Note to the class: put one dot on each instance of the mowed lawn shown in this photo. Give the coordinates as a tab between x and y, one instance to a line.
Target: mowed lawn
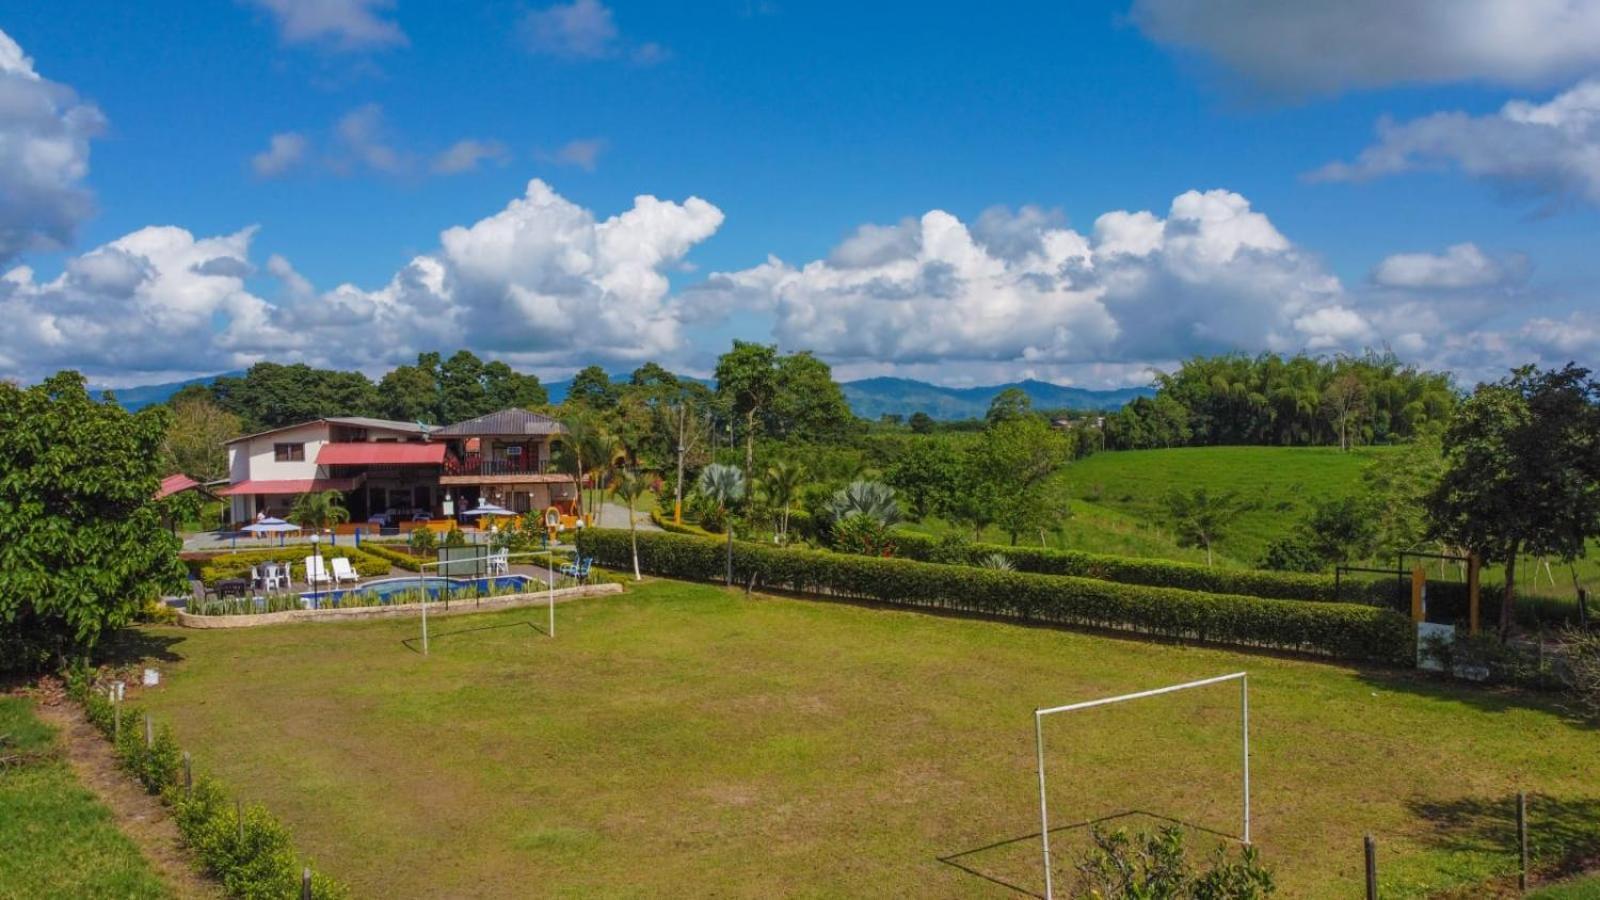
682	740
56	840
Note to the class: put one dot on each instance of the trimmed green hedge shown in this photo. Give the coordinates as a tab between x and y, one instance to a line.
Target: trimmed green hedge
1347	631
214	568
252	858
1152	572
397	557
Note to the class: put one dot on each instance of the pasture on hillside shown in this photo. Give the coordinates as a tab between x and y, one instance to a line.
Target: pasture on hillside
1279	483
681	739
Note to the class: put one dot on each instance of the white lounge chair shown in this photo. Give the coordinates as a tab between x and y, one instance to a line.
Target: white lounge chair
315	573
342	571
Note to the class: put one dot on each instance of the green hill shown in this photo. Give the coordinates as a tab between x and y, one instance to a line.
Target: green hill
1280	483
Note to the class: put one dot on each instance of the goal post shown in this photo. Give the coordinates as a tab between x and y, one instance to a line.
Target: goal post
547	555
1039	716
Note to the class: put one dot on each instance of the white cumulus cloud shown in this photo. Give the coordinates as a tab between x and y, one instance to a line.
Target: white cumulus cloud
1459	266
467	154
1550	149
284	151
583	30
541	282
338	24
1322	46
1212	275
44	156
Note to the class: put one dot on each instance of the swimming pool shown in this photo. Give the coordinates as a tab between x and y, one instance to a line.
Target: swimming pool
411	588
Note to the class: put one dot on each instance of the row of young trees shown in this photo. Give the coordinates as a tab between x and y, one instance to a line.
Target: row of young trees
1271	400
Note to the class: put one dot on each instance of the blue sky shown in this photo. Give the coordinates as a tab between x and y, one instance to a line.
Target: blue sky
985	143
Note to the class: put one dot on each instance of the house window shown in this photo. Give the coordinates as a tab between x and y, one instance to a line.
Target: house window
289	452
514	450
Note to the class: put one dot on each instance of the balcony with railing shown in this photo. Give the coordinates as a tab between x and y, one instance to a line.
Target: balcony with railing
475	465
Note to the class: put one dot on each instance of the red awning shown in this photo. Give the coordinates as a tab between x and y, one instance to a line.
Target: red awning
292	486
389	453
175	484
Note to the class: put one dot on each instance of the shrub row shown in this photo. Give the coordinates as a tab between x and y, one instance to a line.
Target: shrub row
1347	631
250	855
1446	600
396	557
214	568
1136	570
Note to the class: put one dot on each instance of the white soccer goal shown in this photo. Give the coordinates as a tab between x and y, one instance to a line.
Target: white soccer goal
1038	735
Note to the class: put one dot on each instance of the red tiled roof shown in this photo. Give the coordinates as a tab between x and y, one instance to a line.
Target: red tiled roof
388	453
175	484
291	486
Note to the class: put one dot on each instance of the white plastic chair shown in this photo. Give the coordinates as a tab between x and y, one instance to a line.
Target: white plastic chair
276	576
342	571
315	573
499	562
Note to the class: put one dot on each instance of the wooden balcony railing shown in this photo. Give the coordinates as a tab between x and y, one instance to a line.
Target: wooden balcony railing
511	465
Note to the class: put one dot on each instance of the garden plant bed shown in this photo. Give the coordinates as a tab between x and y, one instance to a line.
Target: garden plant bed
685	739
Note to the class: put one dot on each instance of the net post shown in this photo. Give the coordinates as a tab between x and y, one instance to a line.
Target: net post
1244	719
1044	810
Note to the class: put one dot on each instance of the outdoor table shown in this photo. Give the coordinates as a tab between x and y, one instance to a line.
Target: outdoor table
233	586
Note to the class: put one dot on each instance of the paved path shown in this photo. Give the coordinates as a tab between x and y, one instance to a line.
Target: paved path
615	515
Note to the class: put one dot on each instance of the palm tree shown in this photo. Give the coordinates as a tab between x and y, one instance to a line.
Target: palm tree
782	488
872	499
724	486
319	510
592	447
629	486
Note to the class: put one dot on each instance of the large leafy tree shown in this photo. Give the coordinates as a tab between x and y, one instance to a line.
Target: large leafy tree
926	472
82	544
196	432
461	389
1011	403
807	404
747	381
506	388
411	393
1522	471
1013	465
592	389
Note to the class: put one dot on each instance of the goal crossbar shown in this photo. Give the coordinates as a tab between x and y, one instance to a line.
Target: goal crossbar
1038	735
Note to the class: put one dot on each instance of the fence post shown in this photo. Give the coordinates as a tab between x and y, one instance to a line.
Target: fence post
305	884
1522	840
116	722
188	776
238	812
149	733
1372	867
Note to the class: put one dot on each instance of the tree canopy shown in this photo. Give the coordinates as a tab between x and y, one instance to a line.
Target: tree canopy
1522	471
82	542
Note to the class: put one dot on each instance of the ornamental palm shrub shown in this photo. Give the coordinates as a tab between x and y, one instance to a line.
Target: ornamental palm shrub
780	490
319	509
725	487
872	499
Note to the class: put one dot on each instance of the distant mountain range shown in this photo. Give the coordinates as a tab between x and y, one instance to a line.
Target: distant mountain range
137	398
869	398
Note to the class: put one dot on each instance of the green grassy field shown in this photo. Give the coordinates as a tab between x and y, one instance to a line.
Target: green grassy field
682	740
1093	527
1280	483
58	840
